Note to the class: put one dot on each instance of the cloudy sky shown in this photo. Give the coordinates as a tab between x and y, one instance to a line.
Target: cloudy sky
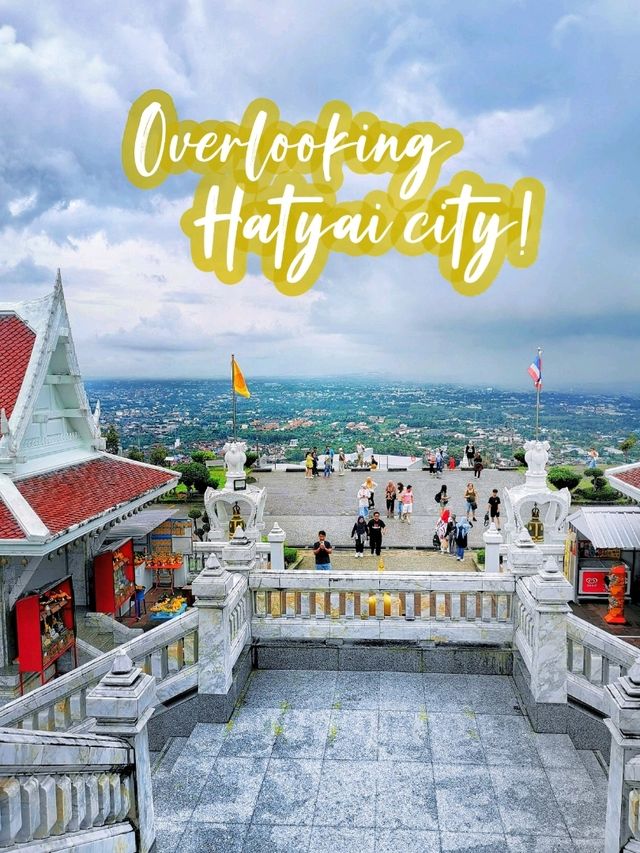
537	87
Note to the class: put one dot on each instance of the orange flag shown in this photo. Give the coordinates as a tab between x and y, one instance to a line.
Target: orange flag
239	385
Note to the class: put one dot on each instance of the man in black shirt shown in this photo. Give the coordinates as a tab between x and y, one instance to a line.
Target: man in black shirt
322	550
376	528
494	508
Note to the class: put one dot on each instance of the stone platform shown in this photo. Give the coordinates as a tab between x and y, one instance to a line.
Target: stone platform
302	507
326	762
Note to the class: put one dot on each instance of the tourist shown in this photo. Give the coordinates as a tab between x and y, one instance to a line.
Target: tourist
592	458
314	457
493	507
432	463
470	453
462	531
441	530
331	454
360	454
390	498
452	462
342	459
407	504
399	491
451	535
442	497
363	501
376	529
327	464
374	463
308	465
439	462
371	486
471	498
360	532
477	465
322	550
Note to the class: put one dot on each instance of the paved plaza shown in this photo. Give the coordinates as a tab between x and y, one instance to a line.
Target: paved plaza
302	506
326	762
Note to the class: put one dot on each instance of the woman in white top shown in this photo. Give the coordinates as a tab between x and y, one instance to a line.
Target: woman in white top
363	501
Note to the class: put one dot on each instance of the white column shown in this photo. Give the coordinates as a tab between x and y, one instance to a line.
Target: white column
276	539
122	703
622	700
551	591
492	542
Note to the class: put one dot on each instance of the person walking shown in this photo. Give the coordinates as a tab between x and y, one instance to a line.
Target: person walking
471	452
442	497
327	465
371	486
493	508
322	550
441	530
452	463
399	492
360	532
376	529
363	501
432	463
407	504
390	498
314	457
471	499
439	462
451	535
477	465
461	533
360	454
308	466
341	462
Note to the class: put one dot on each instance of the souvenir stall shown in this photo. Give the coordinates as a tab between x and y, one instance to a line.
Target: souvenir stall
114	579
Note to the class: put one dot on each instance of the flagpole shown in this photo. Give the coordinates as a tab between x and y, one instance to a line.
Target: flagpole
538	384
233	399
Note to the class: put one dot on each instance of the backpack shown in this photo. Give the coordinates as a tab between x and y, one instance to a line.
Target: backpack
436	541
438	496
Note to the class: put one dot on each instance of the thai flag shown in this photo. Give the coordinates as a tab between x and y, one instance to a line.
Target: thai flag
535	370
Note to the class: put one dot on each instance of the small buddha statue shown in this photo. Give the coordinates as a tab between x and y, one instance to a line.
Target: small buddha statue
535	526
236	520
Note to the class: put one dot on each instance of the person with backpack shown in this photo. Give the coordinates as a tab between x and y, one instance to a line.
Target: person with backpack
442	497
462	531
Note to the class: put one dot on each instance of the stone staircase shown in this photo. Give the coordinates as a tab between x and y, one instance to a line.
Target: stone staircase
313	762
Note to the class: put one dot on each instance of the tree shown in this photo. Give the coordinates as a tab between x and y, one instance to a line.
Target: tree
518	455
563	477
112	440
194	475
136	454
158	454
252	457
202	456
628	444
195	514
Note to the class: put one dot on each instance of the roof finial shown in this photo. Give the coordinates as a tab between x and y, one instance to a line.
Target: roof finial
59	280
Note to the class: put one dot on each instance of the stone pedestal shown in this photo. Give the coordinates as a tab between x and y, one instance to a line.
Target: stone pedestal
523	556
276	539
239	555
622	700
122	703
492	542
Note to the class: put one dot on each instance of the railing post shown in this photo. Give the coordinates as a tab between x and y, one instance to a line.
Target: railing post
213	589
523	556
622	699
276	539
122	704
492	542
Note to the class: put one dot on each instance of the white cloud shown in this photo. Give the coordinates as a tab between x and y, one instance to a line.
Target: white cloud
22	204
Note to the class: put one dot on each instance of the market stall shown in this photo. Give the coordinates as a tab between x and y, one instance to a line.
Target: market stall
114	578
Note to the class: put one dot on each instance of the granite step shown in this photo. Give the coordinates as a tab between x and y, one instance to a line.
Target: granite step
168	755
596	767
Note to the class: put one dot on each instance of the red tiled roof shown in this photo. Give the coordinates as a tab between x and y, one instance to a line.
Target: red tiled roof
16	344
80	492
9	527
632	476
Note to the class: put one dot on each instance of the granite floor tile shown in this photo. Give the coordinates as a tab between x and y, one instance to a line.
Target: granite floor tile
301	734
325	839
526	802
456	842
455	739
493	694
261	838
347	794
407	841
288	792
251	733
169	837
352	736
403	735
213	838
448	692
205	739
588	845
466	801
557	751
230	793
401	691
507	740
533	844
357	691
405	796
271	688
583	807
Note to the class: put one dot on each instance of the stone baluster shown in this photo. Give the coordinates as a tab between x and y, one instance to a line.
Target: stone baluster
276	539
213	589
122	704
546	695
622	701
492	542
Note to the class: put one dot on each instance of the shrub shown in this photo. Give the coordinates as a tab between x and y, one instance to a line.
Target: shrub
480	556
518	455
563	477
252	457
217	479
290	555
593	472
194	474
606	493
202	456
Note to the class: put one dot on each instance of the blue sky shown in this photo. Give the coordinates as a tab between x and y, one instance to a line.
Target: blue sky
547	89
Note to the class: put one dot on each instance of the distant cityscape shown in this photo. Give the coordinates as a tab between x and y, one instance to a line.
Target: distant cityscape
282	418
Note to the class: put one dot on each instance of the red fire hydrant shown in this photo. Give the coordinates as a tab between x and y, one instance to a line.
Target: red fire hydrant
617	584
